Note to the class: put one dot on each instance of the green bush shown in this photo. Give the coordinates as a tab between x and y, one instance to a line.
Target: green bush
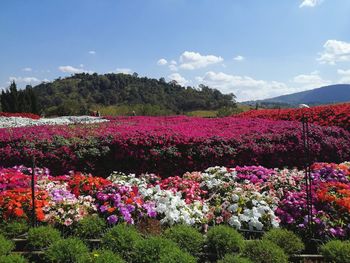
101	256
15	229
285	239
336	251
90	227
13	259
42	237
158	249
6	246
66	250
230	258
122	239
188	238
224	239
264	251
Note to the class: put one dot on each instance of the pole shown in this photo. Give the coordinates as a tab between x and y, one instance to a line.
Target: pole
33	219
307	168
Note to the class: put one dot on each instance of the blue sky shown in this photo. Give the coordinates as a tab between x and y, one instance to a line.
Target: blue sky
253	48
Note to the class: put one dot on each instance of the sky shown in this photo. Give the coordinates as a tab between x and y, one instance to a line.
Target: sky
255	49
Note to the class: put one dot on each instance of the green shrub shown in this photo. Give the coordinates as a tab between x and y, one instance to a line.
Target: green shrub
66	250
158	249
285	239
224	239
188	238
122	239
230	258
15	229
90	227
101	256
6	246
42	237
336	251
264	251
13	259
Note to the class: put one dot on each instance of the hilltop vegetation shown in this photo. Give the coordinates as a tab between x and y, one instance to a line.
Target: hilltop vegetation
121	93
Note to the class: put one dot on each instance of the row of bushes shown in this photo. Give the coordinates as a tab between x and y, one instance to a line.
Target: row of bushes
180	243
169	145
329	115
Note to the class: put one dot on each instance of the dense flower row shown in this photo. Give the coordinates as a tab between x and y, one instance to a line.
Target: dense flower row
169	145
21	115
330	115
249	197
15	121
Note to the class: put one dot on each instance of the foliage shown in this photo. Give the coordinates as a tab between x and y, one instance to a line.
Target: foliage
13	100
264	251
222	240
336	251
101	256
90	227
285	239
14	229
6	246
42	237
122	239
228	111
230	258
66	250
188	238
13	258
157	249
76	94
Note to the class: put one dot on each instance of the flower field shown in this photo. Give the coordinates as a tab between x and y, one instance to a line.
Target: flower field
329	115
21	115
169	145
248	197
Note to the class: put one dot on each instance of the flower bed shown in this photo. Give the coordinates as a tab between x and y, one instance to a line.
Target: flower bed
169	145
329	115
250	197
21	115
22	120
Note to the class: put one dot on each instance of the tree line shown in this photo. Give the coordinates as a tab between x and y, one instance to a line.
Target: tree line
80	93
13	100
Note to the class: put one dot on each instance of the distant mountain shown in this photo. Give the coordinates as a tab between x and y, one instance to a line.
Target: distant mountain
324	95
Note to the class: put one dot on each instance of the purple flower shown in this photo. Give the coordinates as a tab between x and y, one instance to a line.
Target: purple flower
113	219
103	208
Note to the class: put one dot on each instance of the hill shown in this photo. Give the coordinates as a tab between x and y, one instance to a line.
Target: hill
82	92
324	95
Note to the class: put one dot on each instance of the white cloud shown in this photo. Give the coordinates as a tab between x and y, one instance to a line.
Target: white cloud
162	62
26	80
178	78
27	69
70	69
335	51
244	87
124	71
239	58
193	60
311	81
310	3
92	52
345	76
73	70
